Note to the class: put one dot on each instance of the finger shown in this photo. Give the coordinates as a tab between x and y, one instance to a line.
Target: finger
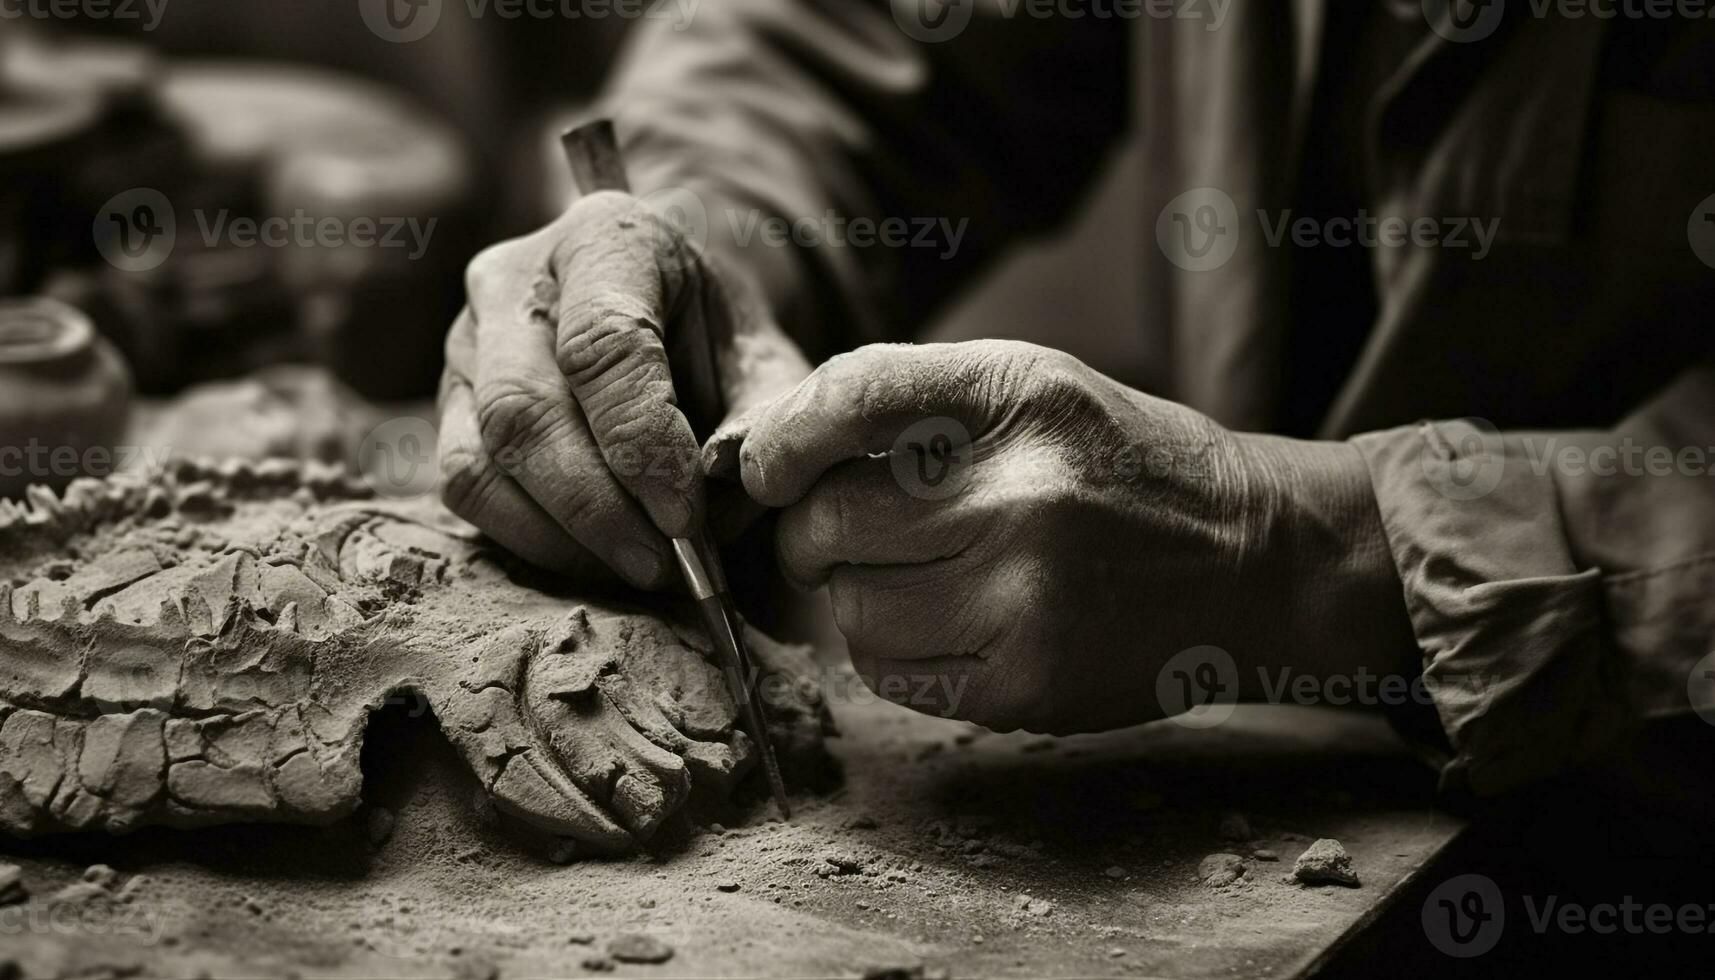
460	347
483	718
912	612
535	430
860	404
479	492
619	290
932	685
858	514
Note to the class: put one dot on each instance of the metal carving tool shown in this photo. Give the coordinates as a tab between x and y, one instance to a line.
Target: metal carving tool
593	152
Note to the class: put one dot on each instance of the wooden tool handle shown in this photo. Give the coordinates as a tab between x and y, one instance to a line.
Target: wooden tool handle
593	151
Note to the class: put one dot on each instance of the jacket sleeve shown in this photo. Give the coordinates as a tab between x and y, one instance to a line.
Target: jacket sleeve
823	112
1561	584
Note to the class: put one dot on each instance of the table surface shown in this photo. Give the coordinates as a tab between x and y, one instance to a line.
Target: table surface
980	854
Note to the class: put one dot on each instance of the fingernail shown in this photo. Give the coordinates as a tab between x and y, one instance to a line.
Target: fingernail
642	565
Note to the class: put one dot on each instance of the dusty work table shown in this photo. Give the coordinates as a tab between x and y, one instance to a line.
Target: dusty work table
947	849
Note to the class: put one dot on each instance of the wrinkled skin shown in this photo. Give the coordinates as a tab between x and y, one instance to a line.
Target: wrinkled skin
591	356
1012	538
206	647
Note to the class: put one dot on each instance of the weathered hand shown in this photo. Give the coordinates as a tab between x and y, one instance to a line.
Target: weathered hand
1012	538
562	434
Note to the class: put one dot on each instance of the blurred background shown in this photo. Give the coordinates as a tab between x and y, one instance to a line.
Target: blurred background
195	116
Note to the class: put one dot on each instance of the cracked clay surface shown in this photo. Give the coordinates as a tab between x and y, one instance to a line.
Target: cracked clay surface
205	647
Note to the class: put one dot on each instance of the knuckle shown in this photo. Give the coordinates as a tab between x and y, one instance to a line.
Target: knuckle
796	553
466	483
848	601
583	507
513	414
601	330
486	266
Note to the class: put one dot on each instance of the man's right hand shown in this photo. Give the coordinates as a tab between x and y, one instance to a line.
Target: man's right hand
562	435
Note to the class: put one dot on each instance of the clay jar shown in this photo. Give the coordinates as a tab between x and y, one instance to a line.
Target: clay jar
65	397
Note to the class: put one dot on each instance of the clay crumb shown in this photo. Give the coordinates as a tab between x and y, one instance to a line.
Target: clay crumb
635	948
12	888
1264	854
919	972
1325	863
101	874
842	863
1235	827
379	826
1030	905
475	968
1220	869
77	893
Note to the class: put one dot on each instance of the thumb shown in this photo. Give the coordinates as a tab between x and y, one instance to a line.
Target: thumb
756	363
858	404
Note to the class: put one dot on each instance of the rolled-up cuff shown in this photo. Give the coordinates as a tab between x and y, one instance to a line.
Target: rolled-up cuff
1516	656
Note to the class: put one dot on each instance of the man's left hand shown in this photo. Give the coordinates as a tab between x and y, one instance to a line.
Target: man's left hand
1012	538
